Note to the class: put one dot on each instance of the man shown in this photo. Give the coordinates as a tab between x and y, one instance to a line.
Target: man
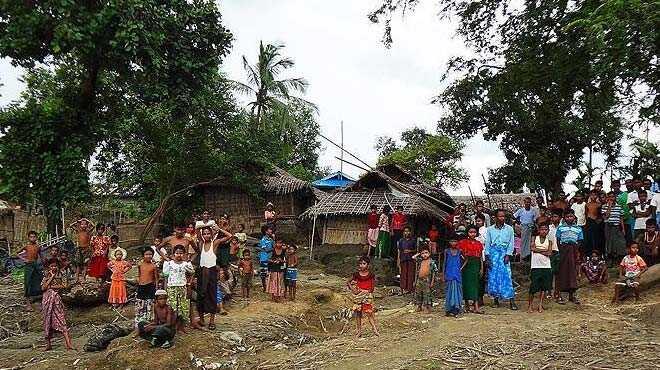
480	210
593	228
179	238
526	216
160	332
616	187
569	237
498	251
398	224
655	206
406	247
632	202
31	255
560	202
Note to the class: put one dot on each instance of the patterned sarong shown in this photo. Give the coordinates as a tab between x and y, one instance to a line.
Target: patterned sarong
499	274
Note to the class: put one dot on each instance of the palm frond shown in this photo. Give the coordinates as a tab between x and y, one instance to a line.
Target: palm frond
253	76
242	88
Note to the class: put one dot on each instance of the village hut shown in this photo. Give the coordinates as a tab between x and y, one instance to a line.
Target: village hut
333	181
15	222
289	195
508	202
341	217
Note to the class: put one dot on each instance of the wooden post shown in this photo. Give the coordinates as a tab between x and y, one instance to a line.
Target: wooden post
311	242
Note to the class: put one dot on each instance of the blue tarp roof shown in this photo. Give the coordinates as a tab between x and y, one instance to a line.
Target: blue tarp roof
333	181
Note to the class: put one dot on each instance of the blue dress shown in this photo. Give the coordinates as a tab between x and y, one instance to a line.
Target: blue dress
499	274
453	282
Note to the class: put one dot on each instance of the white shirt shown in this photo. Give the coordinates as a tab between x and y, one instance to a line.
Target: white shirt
552	235
640	222
655	202
482	238
207	258
633	197
540	261
581	217
156	258
176	272
210	223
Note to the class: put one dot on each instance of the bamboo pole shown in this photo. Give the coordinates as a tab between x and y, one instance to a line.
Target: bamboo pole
311	242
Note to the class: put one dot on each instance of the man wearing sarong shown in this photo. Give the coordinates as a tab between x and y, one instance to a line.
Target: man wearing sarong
526	216
498	251
569	237
406	248
593	229
32	271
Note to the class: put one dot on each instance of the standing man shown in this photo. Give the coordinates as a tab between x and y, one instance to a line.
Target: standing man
526	216
498	251
569	237
407	248
480	210
593	229
398	224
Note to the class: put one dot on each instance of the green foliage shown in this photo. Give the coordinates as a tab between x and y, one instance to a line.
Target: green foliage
645	160
433	158
262	82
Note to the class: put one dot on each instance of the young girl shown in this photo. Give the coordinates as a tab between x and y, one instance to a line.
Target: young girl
118	267
362	286
630	268
451	276
176	271
595	268
100	244
291	271
384	238
146	289
246	272
276	268
541	268
52	307
473	269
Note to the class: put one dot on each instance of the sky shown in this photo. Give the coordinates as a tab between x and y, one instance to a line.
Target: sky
353	78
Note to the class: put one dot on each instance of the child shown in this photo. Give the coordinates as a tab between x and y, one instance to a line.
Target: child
114	247
160	332
615	241
372	228
362	286
427	270
265	248
568	237
52	308
241	237
649	243
146	289
223	290
630	268
641	212
434	236
291	276
100	243
176	271
65	266
82	228
595	269
451	276
157	260
472	269
276	268
32	270
406	248
541	267
246	272
119	267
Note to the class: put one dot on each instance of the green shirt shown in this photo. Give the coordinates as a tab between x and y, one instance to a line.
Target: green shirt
622	200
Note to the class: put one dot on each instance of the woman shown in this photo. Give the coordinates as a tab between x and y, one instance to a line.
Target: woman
207	274
52	306
383	242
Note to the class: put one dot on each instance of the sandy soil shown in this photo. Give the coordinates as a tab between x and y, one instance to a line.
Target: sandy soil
314	333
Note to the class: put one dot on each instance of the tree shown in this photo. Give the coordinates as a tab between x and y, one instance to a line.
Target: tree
542	83
99	56
645	161
433	158
262	82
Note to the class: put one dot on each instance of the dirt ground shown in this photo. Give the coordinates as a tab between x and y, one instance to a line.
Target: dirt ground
314	333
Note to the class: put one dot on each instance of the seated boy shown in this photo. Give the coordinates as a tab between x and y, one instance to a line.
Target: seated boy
631	267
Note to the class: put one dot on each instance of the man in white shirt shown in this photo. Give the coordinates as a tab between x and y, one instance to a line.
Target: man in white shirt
579	206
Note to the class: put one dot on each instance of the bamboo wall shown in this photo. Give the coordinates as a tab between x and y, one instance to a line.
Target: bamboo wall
345	230
15	224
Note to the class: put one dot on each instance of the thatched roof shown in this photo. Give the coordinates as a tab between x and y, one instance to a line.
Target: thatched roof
509	202
378	188
281	182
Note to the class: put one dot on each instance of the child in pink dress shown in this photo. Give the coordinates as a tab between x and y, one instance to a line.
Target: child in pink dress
119	268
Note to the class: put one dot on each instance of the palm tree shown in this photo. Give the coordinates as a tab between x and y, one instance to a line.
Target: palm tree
262	82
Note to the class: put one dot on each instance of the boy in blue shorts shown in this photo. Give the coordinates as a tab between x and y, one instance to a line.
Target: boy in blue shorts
265	249
291	275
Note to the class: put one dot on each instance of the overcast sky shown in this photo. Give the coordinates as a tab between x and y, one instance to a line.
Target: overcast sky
353	77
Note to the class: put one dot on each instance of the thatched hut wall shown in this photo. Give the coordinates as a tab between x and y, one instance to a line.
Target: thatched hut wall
350	229
15	224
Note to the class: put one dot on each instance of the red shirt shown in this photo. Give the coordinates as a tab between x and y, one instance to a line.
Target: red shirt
434	235
470	247
372	220
365	282
398	221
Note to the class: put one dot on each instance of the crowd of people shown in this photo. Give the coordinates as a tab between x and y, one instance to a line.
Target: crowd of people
561	239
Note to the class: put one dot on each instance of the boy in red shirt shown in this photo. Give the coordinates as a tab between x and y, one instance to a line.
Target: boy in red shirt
398	224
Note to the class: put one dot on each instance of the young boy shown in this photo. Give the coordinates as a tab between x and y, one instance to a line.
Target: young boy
362	286
82	228
265	249
641	212
630	268
160	332
177	272
569	237
406	247
291	275
595	269
146	289
427	270
541	271
32	271
649	243
615	242
246	272
241	237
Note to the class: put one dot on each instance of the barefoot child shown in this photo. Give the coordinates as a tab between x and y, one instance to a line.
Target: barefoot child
569	238
595	268
472	269
100	244
82	228
246	272
160	332
265	248
541	272
119	267
451	275
362	286
427	270
630	268
291	276
276	268
32	271
52	307
223	292
146	289
176	271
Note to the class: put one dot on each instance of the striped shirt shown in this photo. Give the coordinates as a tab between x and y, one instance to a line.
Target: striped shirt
569	234
615	214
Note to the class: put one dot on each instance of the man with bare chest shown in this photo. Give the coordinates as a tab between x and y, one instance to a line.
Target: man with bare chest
179	238
160	332
32	271
594	232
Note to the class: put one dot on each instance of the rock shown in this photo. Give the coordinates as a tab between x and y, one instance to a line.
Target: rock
281	346
231	337
322	295
101	339
650	278
86	294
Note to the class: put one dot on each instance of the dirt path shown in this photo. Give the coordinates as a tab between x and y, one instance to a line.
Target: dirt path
313	333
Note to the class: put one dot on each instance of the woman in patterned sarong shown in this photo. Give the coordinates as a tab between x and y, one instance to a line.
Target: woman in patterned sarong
52	306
